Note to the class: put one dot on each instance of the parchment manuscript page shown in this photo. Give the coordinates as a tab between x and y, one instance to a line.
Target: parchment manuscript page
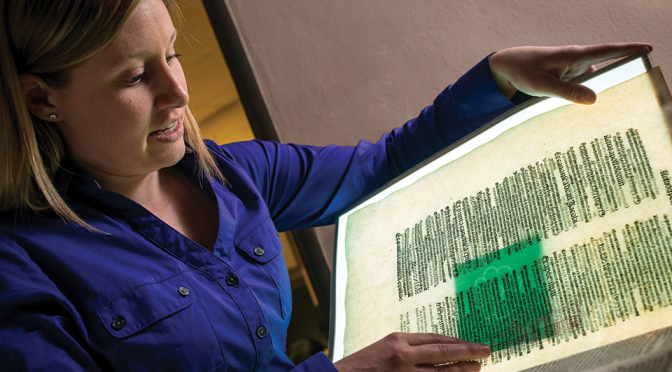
554	238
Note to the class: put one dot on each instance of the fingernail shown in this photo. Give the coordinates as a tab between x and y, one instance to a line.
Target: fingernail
486	349
587	97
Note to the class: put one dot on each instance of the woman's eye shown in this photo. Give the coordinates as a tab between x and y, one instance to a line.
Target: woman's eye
172	57
135	79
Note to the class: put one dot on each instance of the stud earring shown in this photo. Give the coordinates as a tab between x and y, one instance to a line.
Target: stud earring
52	117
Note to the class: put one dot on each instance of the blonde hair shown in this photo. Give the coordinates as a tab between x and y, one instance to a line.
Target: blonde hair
48	39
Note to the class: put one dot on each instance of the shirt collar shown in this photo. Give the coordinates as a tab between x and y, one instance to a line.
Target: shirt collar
68	172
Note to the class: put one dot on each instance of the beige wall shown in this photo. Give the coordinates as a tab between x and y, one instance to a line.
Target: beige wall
350	69
335	71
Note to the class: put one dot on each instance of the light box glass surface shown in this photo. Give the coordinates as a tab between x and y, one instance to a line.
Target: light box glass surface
599	81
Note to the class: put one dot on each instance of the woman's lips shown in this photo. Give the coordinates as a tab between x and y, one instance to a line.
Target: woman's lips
167	129
170	133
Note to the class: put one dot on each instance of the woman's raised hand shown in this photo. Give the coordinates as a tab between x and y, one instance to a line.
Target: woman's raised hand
548	71
416	352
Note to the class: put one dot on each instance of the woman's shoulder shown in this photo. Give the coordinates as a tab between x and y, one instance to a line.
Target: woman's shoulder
243	151
255	158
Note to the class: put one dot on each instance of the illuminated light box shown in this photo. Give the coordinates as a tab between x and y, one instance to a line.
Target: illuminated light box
547	234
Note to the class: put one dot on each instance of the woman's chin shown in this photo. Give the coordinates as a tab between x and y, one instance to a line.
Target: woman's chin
173	155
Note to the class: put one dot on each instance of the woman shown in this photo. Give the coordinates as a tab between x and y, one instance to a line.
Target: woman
128	243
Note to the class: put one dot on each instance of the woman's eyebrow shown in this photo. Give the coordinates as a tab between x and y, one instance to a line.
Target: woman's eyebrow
172	37
141	53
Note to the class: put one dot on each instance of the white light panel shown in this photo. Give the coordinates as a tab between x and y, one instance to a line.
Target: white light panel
598	84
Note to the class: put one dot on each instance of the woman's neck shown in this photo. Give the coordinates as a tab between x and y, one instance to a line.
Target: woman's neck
170	196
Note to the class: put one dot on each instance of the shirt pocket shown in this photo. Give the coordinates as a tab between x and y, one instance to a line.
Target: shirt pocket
161	326
263	246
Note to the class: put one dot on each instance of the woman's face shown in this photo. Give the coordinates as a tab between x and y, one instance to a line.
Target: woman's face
121	112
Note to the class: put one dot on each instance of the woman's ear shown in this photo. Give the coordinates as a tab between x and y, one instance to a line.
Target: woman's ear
36	95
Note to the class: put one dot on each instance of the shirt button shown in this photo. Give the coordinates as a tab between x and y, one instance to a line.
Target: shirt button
118	323
259	251
261	332
232	279
183	291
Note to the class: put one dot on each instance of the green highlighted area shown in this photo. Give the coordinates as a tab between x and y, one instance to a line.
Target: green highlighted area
505	303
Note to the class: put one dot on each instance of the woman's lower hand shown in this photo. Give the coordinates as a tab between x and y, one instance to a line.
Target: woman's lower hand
416	352
548	71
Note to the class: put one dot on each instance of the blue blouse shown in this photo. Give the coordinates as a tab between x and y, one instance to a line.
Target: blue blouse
144	297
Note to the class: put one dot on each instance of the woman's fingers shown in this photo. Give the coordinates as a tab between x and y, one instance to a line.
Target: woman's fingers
470	366
580	61
416	352
430	338
593	54
548	71
446	353
553	87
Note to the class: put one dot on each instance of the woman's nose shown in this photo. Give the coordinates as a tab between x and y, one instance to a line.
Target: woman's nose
172	91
